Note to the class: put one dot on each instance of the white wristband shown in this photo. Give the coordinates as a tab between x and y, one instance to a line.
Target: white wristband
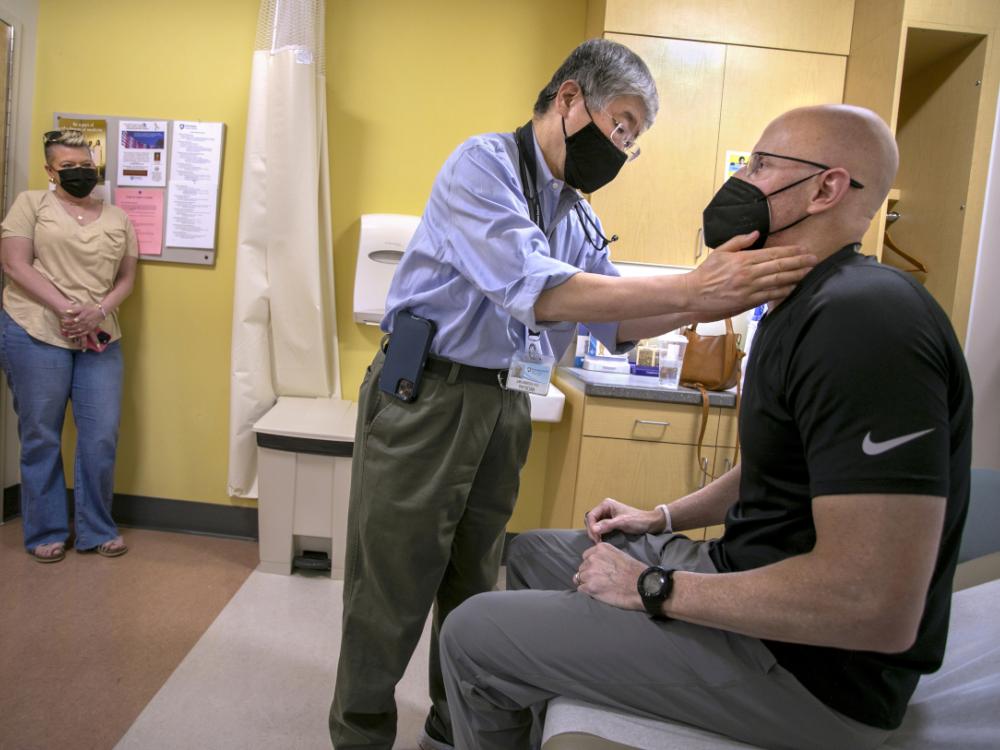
668	524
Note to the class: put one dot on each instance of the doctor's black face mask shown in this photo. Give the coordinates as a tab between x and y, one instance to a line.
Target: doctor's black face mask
592	160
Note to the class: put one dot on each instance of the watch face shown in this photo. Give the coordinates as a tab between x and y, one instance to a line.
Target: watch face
652	582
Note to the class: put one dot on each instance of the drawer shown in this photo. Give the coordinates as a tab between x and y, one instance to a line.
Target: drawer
728	426
640	474
649	421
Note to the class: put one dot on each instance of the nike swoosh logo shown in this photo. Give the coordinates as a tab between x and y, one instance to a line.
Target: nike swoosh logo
871	448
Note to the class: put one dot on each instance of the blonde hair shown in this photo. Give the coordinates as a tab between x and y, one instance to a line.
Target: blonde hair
67	138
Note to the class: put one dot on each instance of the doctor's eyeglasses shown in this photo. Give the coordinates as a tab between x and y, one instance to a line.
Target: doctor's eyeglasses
623	140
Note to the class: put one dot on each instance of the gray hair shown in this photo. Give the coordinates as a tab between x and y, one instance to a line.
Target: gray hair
68	138
604	70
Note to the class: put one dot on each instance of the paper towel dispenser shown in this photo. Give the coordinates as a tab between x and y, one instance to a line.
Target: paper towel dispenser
383	239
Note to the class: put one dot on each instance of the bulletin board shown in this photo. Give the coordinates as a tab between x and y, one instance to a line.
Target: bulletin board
165	174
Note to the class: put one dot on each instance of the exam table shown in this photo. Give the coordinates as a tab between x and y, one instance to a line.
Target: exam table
955	708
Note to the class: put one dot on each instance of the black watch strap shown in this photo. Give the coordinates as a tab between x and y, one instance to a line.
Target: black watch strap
655	585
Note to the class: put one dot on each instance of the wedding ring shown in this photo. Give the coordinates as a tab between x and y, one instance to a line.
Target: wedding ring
576	579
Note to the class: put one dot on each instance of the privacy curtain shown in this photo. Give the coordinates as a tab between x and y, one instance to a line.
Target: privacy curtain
284	327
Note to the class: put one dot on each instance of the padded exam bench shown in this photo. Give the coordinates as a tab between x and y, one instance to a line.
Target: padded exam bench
956	708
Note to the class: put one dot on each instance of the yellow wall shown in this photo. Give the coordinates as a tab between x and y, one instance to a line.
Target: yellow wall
406	82
180	60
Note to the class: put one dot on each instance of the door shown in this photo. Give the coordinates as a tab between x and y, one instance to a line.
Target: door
655	203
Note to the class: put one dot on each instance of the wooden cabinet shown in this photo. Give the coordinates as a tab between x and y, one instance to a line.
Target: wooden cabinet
715	95
639	452
761	84
807	25
640	474
925	67
656	201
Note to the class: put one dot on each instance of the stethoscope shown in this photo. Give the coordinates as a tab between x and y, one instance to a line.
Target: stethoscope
526	158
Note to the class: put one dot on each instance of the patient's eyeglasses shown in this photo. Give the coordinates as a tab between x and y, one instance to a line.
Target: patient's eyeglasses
757	159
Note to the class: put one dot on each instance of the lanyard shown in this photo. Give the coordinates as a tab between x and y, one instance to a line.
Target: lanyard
525	139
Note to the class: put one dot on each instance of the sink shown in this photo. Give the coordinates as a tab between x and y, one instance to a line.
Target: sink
547	408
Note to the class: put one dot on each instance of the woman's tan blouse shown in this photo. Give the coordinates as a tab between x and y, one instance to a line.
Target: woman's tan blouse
81	261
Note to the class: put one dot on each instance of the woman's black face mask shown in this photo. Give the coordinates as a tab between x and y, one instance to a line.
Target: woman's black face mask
592	160
78	181
740	207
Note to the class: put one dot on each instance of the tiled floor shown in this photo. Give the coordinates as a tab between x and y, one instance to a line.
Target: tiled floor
262	675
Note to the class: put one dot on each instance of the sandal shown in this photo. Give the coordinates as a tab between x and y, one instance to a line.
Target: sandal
49	553
113	548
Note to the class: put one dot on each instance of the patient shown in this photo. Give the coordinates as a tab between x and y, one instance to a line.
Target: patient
810	622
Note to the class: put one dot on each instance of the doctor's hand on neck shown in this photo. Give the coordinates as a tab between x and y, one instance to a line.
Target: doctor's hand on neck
732	280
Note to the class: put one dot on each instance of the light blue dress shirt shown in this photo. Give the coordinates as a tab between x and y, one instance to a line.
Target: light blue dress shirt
477	263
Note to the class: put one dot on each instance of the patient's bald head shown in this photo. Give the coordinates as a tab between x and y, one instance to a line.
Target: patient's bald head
840	135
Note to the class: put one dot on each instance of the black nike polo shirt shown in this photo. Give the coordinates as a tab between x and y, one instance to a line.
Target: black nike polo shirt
856	384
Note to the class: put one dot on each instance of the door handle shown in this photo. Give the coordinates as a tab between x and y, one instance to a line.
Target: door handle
698	244
704	472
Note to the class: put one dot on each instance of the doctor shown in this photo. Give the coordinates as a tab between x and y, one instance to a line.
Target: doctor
506	247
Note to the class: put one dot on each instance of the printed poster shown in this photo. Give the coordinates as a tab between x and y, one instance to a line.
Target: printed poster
195	166
96	134
144	207
735	161
142	153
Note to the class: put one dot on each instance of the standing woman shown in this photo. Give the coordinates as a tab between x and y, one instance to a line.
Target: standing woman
69	262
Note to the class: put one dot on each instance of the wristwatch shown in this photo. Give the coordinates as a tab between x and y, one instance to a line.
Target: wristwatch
654	585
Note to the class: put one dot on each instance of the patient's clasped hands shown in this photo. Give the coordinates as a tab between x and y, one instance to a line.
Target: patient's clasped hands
606	573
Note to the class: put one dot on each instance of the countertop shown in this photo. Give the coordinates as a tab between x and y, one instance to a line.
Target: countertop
310	419
641	387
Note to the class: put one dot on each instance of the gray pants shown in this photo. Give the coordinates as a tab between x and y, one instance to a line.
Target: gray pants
507	653
433	485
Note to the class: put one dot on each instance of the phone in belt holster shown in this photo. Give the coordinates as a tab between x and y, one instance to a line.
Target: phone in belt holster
409	345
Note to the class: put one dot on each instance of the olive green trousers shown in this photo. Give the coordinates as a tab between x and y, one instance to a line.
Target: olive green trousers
433	485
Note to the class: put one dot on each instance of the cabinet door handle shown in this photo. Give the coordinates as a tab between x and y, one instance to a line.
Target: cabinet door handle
698	244
653	423
704	472
728	464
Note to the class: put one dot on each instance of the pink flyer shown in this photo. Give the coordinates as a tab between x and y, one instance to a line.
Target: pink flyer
144	207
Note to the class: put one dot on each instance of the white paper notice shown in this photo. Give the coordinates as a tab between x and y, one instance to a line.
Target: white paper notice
142	153
194	185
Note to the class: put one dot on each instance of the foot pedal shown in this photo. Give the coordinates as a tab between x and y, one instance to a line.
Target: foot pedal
310	560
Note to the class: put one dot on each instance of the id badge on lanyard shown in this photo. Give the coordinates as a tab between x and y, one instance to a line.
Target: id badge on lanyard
531	370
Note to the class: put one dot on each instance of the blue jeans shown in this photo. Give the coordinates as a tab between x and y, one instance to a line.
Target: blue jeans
43	378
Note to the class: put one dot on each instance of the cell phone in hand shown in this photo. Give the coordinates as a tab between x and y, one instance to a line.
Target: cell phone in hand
103	338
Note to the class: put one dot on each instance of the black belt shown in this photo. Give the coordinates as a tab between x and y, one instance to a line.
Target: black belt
467	373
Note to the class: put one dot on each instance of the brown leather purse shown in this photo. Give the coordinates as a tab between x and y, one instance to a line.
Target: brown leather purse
712	363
